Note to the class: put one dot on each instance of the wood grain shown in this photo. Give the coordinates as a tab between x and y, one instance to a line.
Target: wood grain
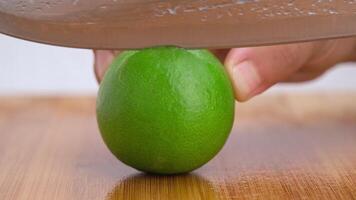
282	147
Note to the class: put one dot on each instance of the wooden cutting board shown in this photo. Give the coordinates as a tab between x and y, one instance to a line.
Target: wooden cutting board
282	147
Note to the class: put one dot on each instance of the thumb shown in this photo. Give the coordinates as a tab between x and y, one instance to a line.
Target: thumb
253	70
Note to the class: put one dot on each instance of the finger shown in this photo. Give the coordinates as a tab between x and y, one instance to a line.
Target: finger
254	70
327	53
102	61
302	77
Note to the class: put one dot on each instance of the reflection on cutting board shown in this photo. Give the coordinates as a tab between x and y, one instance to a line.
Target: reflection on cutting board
141	186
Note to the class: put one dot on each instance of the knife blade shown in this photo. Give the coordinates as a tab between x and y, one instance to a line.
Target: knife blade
122	24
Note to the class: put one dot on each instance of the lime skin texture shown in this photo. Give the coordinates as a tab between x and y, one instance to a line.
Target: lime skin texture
165	110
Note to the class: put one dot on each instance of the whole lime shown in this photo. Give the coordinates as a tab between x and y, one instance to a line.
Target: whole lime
165	110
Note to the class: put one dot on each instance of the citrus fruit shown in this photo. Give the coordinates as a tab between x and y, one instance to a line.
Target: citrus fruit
165	110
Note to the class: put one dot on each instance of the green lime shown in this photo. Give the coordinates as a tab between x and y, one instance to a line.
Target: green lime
165	110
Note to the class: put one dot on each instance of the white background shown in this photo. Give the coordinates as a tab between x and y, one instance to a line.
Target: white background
28	68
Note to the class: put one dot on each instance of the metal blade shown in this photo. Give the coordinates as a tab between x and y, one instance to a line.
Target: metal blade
122	24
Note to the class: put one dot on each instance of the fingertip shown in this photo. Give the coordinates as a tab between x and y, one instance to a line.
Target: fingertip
254	69
238	55
244	75
102	61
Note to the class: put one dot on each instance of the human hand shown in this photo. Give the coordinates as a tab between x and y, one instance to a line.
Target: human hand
255	69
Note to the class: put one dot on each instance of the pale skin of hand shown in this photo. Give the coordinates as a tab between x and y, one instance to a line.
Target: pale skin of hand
253	70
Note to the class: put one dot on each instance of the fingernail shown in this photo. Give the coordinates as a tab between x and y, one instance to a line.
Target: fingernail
246	80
